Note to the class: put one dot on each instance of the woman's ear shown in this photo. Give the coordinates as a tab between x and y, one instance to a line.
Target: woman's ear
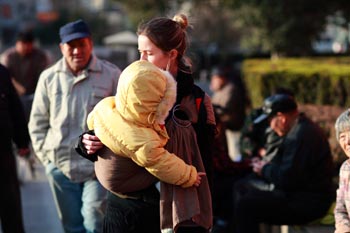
173	54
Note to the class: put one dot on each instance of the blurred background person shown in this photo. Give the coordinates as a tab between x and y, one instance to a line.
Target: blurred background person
13	128
295	186
229	101
25	62
258	140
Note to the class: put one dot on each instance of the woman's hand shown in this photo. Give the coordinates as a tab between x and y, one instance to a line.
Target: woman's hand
91	143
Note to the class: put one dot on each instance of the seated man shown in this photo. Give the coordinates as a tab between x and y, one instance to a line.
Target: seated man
295	186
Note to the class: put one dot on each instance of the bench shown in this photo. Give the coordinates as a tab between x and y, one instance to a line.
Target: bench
297	229
322	225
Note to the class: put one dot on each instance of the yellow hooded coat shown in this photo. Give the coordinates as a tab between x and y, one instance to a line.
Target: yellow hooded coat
130	124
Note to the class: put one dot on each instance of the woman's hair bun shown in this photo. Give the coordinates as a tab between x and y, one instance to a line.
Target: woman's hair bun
182	20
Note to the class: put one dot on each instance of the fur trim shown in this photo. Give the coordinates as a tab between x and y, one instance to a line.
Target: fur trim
168	100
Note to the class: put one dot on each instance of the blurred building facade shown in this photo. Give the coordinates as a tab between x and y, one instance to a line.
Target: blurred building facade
16	15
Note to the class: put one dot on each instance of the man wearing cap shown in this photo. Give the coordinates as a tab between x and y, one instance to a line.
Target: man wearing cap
65	94
295	186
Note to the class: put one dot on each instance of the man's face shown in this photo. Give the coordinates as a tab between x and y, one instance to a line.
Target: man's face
77	53
216	82
24	48
277	124
344	141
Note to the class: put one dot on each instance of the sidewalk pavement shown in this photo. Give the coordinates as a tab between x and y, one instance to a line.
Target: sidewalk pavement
39	211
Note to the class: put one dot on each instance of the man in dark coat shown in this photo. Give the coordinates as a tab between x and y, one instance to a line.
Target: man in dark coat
13	128
295	186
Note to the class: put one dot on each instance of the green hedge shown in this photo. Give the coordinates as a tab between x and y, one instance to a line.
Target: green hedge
323	81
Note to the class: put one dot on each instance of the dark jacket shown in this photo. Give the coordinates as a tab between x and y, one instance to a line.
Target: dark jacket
230	103
13	124
205	128
303	162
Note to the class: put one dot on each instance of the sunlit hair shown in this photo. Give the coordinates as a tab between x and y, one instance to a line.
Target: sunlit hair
342	123
168	34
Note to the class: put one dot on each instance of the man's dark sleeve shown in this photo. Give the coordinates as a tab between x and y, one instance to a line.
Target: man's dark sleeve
281	171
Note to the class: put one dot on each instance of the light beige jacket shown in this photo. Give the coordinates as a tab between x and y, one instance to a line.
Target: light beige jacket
60	108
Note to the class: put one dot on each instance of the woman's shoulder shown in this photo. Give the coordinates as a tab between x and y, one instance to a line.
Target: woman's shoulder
203	100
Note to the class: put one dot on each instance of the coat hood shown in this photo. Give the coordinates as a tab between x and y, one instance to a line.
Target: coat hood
145	94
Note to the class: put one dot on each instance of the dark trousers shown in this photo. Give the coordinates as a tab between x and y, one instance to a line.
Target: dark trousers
253	206
133	215
10	197
222	194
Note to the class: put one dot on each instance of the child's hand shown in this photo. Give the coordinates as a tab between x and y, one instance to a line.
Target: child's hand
199	178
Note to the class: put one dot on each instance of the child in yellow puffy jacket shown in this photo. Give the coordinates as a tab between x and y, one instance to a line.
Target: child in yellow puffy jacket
131	124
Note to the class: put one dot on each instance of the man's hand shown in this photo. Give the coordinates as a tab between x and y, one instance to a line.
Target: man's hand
254	160
258	166
91	143
21	90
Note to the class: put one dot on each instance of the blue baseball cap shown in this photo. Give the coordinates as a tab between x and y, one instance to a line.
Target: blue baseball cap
74	30
274	104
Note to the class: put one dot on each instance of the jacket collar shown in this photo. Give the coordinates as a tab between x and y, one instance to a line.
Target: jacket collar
95	65
185	84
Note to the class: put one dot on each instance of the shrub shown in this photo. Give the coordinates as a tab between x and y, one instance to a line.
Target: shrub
322	81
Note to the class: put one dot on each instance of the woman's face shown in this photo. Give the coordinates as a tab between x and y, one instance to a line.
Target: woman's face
150	52
344	141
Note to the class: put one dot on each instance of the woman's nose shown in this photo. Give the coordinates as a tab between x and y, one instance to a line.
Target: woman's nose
143	57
